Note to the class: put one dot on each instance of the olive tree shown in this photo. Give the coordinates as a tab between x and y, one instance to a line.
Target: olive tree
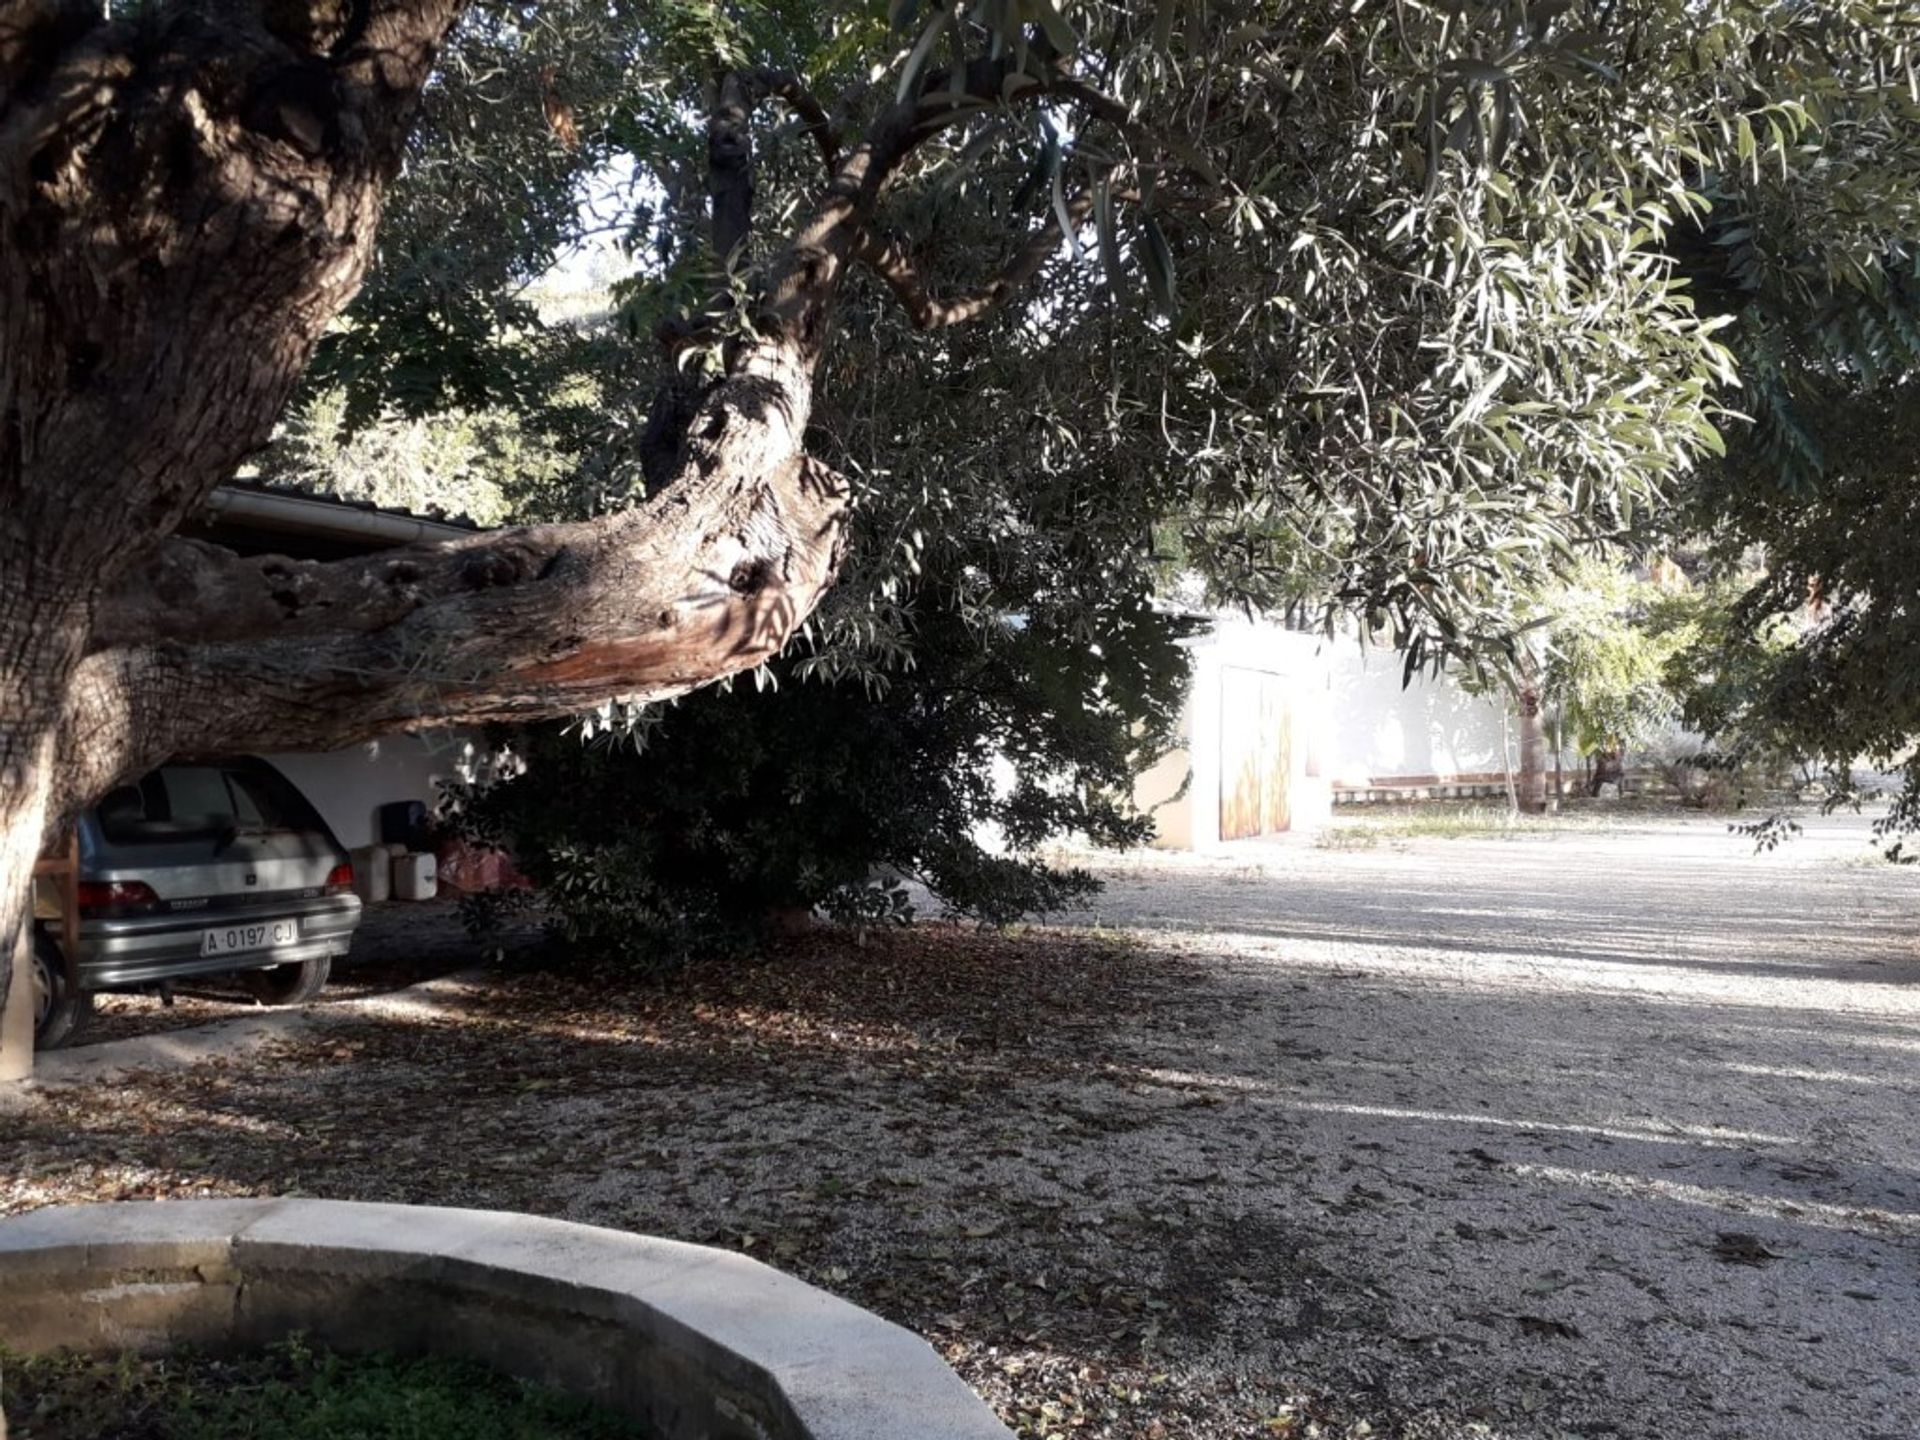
1395	291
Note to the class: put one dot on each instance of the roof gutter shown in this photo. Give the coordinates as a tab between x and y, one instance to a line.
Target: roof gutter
329	520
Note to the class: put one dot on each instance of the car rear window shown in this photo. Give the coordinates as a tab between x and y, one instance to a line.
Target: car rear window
179	801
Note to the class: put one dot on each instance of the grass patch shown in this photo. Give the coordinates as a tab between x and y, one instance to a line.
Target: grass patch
291	1391
1363	828
1865	860
1434	821
1351	836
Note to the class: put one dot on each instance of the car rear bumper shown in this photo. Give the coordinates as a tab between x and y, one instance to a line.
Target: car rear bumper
140	950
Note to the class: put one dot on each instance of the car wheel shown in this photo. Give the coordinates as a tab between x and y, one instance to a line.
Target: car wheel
293	984
58	1009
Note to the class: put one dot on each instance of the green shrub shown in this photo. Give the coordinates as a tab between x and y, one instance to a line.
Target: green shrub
736	808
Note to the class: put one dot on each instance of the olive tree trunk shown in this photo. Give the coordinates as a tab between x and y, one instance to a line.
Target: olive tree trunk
33	664
185	203
188	196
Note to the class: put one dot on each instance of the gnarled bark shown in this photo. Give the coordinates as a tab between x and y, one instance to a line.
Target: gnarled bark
36	639
187	198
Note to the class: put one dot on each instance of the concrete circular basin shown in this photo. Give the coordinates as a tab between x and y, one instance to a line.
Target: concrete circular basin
700	1344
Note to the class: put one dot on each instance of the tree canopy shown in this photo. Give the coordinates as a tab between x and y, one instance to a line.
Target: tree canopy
1402	313
1392	309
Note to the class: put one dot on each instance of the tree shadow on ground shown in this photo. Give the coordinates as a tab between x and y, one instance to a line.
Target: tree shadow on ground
399	944
1096	1159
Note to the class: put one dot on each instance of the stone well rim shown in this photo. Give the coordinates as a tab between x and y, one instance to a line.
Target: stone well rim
791	1361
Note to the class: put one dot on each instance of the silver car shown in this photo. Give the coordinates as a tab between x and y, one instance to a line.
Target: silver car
202	868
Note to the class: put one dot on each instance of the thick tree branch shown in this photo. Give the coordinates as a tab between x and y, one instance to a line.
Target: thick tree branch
942	103
789	87
896	133
510	588
708	577
650	603
190	593
382	59
730	167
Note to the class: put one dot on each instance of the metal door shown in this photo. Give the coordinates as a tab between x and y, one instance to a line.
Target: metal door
1256	754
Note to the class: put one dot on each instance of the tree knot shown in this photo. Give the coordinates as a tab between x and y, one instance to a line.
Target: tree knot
488	569
750	577
298	105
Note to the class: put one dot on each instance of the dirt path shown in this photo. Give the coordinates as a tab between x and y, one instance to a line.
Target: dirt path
1605	1132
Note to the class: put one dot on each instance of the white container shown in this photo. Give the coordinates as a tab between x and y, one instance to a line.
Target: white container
372	873
415	877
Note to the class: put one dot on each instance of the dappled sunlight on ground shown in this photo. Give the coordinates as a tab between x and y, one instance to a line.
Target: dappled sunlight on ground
1568	1133
1732	1202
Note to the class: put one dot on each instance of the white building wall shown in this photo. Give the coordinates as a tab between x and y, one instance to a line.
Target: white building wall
1159	791
349	786
1190	819
1381	731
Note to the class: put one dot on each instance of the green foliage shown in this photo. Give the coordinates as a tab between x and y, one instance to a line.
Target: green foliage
484	467
724	813
1810	514
1392	311
1628	662
1822	647
1826	638
490	198
1723	671
1610	645
291	1391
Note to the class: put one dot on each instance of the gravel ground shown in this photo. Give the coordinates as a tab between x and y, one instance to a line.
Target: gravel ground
1601	1130
1621	1116
399	944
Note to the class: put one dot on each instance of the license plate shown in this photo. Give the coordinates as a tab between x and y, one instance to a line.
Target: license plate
259	935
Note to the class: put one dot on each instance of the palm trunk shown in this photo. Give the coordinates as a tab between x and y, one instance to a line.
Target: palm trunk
1506	759
1533	746
1559	760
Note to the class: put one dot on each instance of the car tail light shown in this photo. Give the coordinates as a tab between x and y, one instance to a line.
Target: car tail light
104	899
339	879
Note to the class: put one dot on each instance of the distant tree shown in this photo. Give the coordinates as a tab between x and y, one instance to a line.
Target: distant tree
1721	672
1606	675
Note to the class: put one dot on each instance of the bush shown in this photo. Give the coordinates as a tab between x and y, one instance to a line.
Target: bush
737	809
1718	780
